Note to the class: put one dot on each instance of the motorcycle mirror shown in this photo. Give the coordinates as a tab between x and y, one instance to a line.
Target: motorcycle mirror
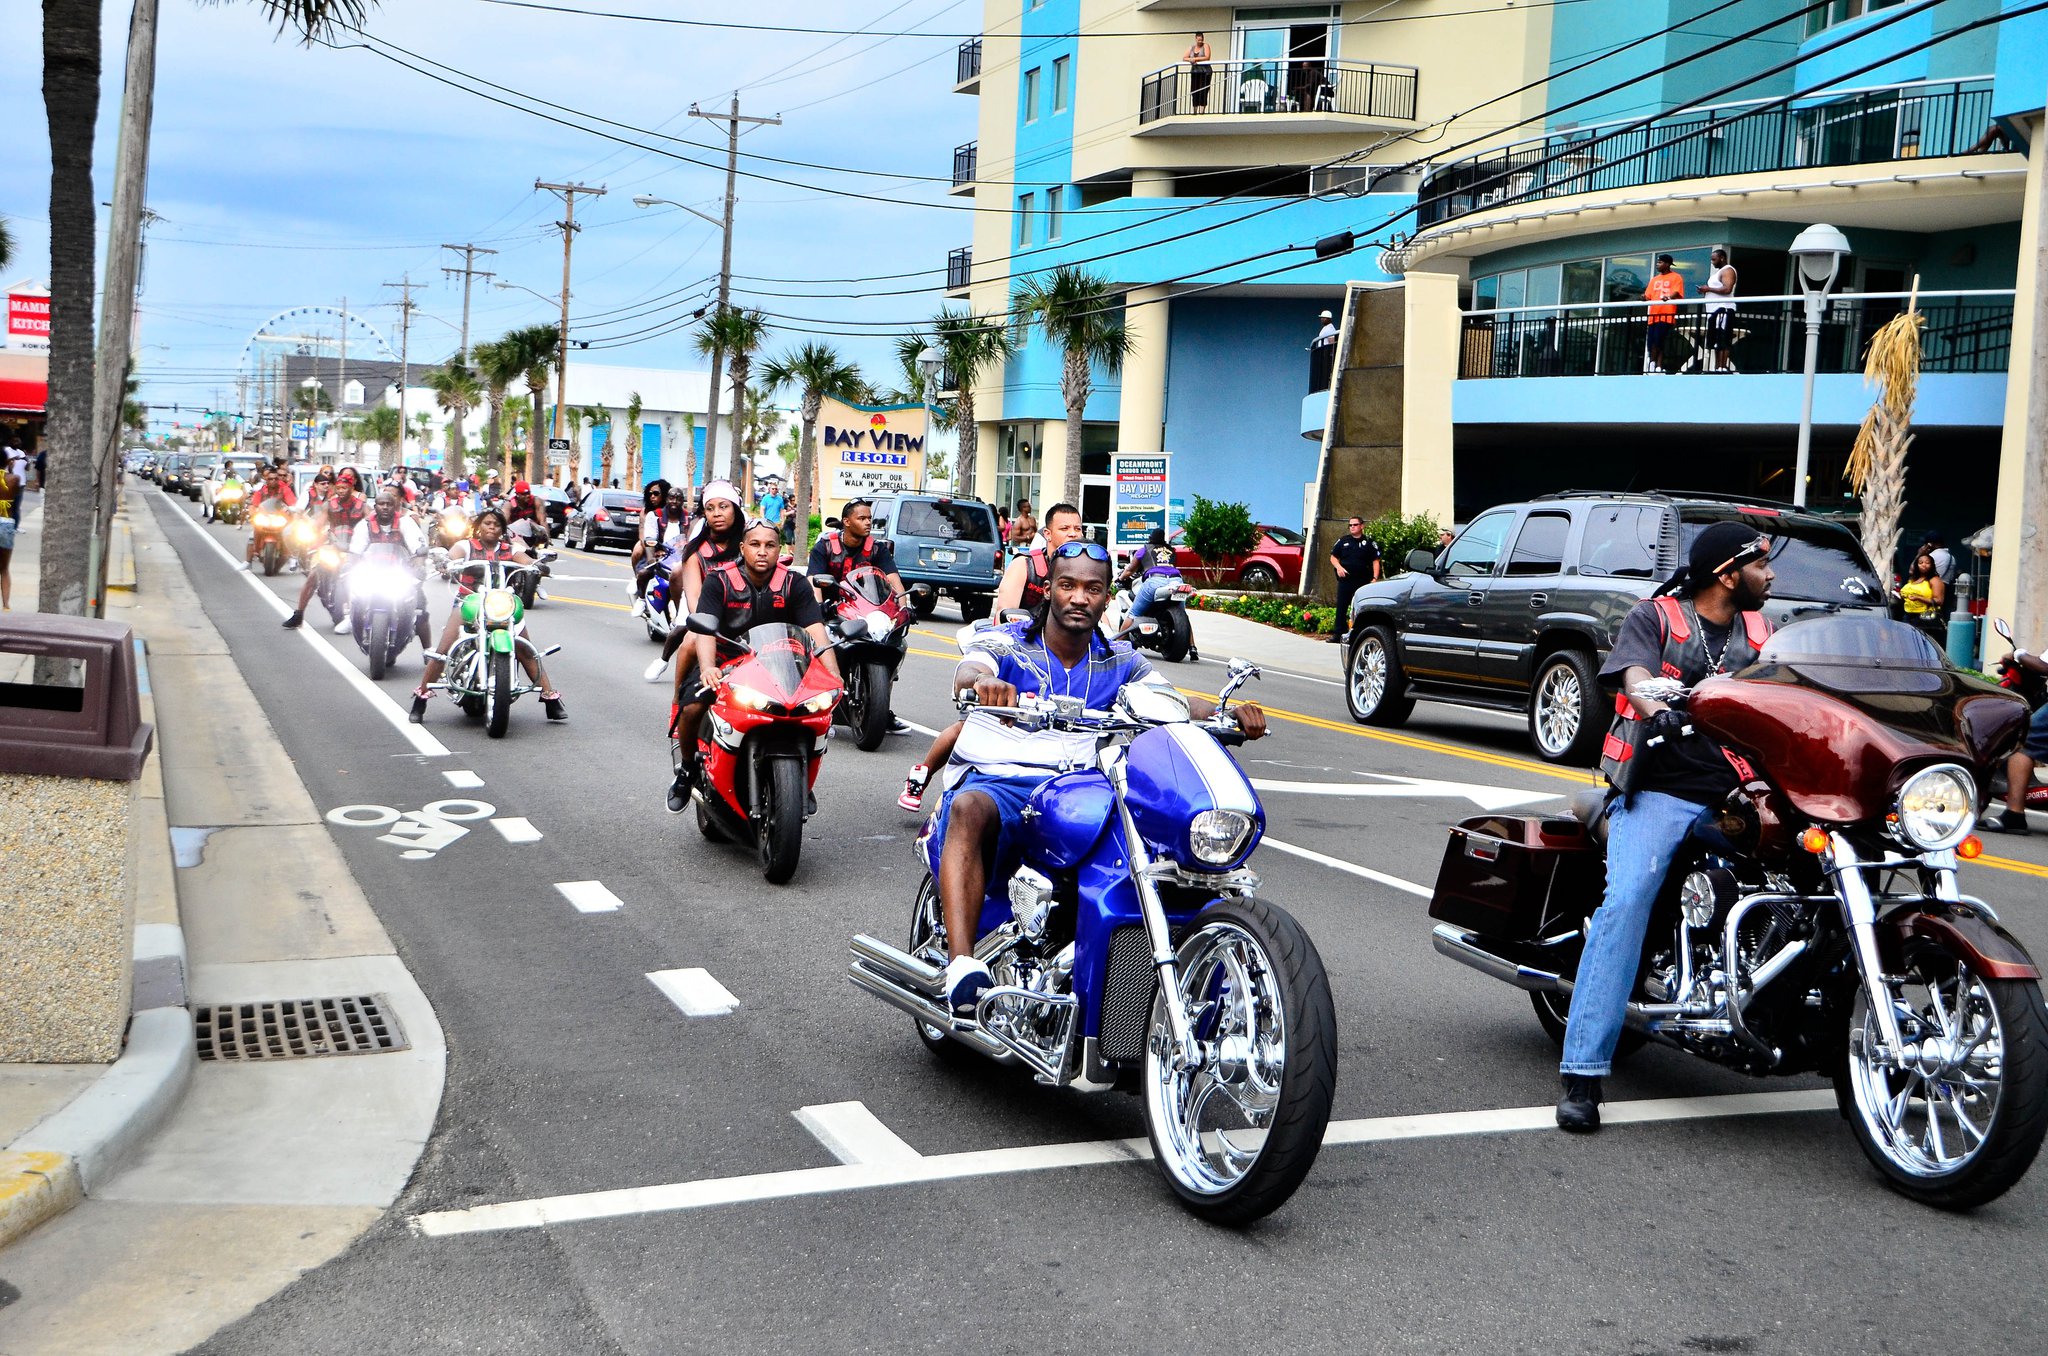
1242	669
1152	705
1998	625
702	624
1015	614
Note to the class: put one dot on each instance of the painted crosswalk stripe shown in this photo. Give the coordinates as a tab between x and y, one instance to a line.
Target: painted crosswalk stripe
853	1134
695	992
463	778
589	896
1351	868
516	829
774	1186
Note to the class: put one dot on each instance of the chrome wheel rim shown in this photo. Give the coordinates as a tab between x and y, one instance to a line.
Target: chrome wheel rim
1211	1121
1557	708
1369	675
1933	1117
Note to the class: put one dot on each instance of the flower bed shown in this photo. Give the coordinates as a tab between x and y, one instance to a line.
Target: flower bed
1289	613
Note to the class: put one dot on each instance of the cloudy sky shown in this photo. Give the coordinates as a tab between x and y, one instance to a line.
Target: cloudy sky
293	177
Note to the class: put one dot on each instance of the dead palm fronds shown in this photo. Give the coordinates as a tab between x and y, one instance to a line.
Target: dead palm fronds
1877	463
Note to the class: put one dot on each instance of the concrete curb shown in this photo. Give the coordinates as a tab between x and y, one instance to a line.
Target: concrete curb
57	1162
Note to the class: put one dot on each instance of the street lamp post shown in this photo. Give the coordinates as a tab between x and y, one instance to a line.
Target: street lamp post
1819	250
929	361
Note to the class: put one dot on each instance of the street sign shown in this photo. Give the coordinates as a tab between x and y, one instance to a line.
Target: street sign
558	458
558	445
1138	496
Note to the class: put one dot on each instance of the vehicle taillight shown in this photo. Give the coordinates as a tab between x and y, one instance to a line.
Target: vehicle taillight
600	517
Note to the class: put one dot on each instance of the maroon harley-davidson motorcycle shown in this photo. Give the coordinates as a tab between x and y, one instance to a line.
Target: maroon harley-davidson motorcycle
1829	933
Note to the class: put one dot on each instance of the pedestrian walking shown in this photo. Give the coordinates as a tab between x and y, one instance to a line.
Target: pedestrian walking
1198	57
1666	287
1720	305
771	503
1356	558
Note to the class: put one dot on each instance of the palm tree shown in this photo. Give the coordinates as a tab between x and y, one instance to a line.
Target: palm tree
737	333
972	345
576	416
379	425
6	245
501	365
817	371
423	427
457	391
601	418
754	424
538	348
311	400
1083	319
633	408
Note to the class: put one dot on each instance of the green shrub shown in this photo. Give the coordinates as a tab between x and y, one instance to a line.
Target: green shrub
1215	529
1397	536
1287	613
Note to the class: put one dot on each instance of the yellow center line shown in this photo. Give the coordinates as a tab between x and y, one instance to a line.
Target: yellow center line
2008	864
588	602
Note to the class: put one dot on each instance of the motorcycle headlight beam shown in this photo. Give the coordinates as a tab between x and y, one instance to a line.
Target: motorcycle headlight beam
1217	836
822	702
1936	808
750	698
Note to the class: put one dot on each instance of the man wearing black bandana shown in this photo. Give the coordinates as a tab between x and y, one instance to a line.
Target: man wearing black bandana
1666	782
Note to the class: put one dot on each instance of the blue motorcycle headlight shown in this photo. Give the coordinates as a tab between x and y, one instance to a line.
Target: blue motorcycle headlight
1217	836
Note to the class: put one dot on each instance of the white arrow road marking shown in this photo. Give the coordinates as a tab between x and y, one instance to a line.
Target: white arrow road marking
695	992
854	1134
1352	868
1485	797
589	896
773	1186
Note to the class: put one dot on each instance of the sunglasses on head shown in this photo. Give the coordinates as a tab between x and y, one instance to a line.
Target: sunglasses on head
1081	548
1756	550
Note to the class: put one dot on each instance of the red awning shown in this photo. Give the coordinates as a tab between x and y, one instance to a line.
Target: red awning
23	397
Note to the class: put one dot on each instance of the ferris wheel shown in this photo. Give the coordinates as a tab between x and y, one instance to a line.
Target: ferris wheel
313	332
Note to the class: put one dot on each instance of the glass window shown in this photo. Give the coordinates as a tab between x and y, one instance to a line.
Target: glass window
1514	288
1581	280
1018	457
1621	539
1626	277
1478	548
1486	293
1815	562
1031	95
1026	206
1062	74
1055	208
1539	547
1840	11
944	521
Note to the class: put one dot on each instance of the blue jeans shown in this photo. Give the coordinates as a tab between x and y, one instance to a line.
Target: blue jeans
1147	591
1644	833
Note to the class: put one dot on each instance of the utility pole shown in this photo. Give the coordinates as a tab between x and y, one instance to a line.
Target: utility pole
569	229
732	121
405	309
341	389
469	272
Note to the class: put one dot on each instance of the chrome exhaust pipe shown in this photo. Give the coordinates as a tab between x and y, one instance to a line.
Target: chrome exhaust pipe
1463	946
907	970
927	1010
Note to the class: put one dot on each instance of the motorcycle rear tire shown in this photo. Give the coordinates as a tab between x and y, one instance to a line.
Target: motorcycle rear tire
870	716
1176	636
1308	1077
779	823
498	694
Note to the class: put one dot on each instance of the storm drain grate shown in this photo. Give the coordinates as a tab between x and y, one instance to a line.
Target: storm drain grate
298	1028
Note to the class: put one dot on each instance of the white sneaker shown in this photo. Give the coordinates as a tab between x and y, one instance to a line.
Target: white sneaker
652	673
966	979
248	567
341	627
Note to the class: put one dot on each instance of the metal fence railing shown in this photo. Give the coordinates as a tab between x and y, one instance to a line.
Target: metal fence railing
963	163
1965	332
1897	123
1292	85
968	64
959	268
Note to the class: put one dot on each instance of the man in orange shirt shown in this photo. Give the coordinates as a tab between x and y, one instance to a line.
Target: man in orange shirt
1666	286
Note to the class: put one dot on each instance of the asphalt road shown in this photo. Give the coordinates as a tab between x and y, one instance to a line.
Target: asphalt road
571	1072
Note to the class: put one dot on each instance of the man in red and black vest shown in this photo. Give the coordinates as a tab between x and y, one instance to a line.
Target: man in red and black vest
854	545
1030	572
756	590
336	517
1666	782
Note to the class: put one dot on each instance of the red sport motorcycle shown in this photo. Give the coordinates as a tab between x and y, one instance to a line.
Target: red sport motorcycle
1823	929
872	630
759	745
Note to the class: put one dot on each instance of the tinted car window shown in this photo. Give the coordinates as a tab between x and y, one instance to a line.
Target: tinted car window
1286	536
947	522
1539	547
1814	562
1478	548
1621	539
620	499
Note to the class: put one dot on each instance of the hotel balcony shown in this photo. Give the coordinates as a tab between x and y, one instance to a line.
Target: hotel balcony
967	68
1284	97
959	271
963	168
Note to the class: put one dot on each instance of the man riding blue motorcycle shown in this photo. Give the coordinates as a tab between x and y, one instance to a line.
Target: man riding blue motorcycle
1057	653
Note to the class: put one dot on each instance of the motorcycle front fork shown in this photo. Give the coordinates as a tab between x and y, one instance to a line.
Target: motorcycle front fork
1180	1030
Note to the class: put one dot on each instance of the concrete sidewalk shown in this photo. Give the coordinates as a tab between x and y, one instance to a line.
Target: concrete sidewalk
265	1169
1220	636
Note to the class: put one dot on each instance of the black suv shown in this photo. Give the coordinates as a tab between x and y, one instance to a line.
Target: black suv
1519	612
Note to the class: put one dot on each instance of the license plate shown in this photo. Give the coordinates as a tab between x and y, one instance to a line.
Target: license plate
945	557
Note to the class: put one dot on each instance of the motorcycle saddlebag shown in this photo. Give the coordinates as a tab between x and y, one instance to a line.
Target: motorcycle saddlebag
1505	876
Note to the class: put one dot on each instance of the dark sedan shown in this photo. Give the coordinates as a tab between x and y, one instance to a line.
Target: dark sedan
558	506
605	518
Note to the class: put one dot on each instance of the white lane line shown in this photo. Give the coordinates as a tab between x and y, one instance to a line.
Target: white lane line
589	896
1485	797
1279	673
1336	865
925	730
379	702
464	779
516	829
854	1134
770	1186
695	992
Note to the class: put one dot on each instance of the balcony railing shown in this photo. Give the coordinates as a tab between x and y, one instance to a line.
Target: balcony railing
1899	123
959	268
963	163
1233	88
1965	332
967	65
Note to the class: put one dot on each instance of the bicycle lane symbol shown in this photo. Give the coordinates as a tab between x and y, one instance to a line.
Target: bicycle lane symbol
419	833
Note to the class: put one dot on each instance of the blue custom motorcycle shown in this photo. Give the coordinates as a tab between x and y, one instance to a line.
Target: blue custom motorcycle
1130	950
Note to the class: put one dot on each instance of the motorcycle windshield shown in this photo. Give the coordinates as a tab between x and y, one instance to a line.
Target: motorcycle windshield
867	583
781	656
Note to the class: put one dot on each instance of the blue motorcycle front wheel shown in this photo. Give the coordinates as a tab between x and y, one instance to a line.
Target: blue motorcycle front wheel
1236	1126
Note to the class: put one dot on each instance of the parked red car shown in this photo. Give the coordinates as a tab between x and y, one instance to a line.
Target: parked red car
1273	564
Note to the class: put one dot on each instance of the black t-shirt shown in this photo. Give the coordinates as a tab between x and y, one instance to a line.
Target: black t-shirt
799	606
880	554
1356	555
1695	769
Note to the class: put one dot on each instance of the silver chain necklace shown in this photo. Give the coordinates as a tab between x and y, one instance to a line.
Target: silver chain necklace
1713	660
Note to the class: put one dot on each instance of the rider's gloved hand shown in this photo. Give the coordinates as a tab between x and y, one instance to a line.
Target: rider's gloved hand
1663	730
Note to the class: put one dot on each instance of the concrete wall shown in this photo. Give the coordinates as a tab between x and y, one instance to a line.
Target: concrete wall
1580	31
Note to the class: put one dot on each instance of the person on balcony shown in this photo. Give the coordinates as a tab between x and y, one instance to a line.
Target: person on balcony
1198	56
1322	355
1666	287
1720	293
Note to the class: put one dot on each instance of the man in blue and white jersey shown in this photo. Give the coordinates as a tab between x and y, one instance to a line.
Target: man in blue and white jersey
1057	653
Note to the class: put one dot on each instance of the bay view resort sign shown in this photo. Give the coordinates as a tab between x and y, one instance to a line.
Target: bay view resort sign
867	451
